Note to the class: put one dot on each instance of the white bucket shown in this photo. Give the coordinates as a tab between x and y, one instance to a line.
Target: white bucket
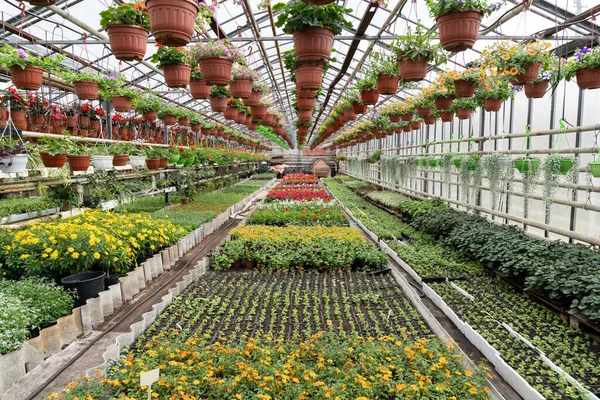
102	162
18	164
137	161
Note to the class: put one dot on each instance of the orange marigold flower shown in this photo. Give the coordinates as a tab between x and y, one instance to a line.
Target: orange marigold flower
513	71
505	57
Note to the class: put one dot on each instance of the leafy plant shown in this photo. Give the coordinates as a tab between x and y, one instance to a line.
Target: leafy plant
418	43
441	7
126	13
297	16
10	56
219	91
170	55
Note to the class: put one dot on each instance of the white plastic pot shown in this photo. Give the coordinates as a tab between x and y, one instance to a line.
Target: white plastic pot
102	162
14	164
137	161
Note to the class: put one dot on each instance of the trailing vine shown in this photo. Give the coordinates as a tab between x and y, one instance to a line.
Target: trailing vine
447	164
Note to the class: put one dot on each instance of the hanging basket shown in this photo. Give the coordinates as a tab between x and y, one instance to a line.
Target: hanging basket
349	115
304	116
57	161
253	126
464	88
183	121
153	163
424	111
406	128
172	21
253	100
149	115
169	120
416	125
387	84
79	162
369	97
127	42
595	169
529	75
524	166
216	70
359	108
443	103
492	105
429	120
395	118
199	89
536	90
463	113
121	103
240	118
318	2
313	44
258	111
565	166
14	164
588	78
104	163
177	75
412	70
309	76
29	78
305	103
85	90
459	30
230	113
406	117
305	92
218	104
196	127
240	88
120	160
446	116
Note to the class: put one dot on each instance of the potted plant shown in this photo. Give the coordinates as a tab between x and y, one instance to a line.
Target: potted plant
585	66
216	60
464	106
219	96
172	21
459	21
414	51
232	109
493	91
115	90
526	164
137	156
101	157
199	89
153	156
148	105
86	83
127	27
78	157
174	63
53	151
65	195
312	26
367	86
120	153
466	84
259	111
13	155
415	124
241	84
26	71
447	115
423	102
595	168
168	114
519	61
388	75
258	89
37	110
183	116
443	89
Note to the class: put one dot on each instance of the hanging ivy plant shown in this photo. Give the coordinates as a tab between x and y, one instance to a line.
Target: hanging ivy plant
447	164
554	166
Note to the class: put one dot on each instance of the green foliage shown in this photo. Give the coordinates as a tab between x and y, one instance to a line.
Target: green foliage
10	56
126	13
296	15
441	7
70	76
170	55
419	44
268	133
18	205
219	91
305	214
147	102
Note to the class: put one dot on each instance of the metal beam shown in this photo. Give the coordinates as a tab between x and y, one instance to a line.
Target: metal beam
279	57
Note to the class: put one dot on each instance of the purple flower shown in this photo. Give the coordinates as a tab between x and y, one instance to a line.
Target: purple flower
22	54
584	50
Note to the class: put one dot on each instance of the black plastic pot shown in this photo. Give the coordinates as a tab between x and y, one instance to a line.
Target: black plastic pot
111	280
86	285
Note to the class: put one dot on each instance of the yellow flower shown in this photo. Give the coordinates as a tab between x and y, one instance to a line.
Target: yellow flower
505	57
531	52
96	255
513	71
54	255
473	391
75	255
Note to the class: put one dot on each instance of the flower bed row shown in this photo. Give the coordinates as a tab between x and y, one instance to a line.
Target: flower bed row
546	330
324	248
299	193
284	213
292	179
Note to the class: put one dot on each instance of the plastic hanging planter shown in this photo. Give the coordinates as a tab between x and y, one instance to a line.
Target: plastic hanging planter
595	169
565	166
526	165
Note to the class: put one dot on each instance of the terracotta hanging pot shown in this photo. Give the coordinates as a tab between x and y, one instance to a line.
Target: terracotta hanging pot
305	92
349	114
258	111
415	126
588	78
149	115
395	118
199	89
177	75
127	42
196	127
459	30
79	162
304	116
153	163
309	76
248	120
463	113
57	161
86	90
71	121
446	116
406	128
120	160
123	132
216	70
121	103
41	3
387	84
536	90
29	78
464	88
424	111
443	103
183	121
167	119
172	21
269	119
529	75
492	105
305	103
230	113
84	121
253	100
240	88
218	104
240	118
318	2
429	120
163	163
37	119
253	126
369	97
359	108
412	70
398	129
313	43
303	130
406	117
95	125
